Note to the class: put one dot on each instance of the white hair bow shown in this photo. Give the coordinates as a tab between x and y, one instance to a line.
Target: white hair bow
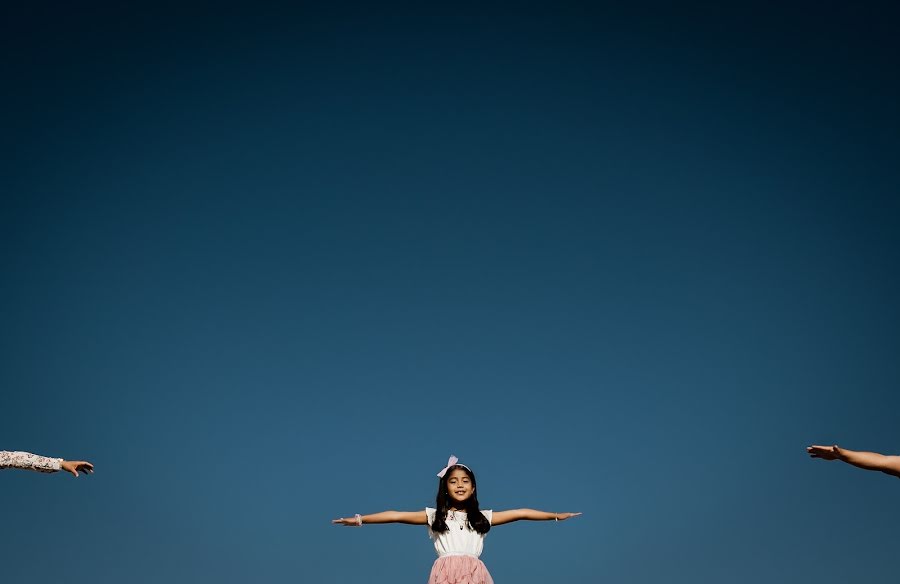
453	460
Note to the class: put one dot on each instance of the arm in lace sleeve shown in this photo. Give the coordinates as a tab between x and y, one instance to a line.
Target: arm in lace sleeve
28	461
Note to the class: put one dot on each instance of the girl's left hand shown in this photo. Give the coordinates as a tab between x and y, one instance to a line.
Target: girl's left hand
346	521
825	452
564	516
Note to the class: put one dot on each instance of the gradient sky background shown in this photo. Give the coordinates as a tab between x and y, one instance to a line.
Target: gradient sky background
268	266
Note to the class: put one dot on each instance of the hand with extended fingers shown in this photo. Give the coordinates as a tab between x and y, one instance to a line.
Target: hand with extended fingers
354	521
73	466
825	452
564	516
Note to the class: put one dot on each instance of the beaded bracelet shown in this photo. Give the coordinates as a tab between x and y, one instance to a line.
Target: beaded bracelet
358	518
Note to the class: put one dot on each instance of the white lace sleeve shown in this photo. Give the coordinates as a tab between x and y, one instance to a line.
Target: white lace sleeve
28	461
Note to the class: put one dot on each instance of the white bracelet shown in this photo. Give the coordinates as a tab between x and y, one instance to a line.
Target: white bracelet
358	518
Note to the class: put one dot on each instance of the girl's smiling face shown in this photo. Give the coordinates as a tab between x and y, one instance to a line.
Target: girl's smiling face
459	486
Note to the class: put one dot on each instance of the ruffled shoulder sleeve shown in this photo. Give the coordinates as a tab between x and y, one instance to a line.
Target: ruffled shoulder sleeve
488	514
429	517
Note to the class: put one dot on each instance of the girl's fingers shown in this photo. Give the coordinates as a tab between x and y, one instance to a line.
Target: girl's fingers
344	521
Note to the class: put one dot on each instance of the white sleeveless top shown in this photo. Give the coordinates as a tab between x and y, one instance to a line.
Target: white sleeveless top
458	540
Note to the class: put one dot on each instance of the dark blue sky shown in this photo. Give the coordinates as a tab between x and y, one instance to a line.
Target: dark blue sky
267	266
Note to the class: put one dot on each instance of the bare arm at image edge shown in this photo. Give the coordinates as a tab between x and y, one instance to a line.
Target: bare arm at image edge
861	459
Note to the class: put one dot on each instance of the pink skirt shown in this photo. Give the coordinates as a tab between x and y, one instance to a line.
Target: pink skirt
459	570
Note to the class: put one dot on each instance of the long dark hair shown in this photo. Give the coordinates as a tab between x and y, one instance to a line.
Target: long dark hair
474	518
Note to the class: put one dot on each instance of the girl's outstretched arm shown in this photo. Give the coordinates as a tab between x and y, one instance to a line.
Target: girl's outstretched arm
867	460
501	517
410	517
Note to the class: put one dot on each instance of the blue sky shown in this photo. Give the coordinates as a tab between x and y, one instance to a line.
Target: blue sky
267	266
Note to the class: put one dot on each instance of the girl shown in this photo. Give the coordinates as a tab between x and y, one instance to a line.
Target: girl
456	525
28	461
865	460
